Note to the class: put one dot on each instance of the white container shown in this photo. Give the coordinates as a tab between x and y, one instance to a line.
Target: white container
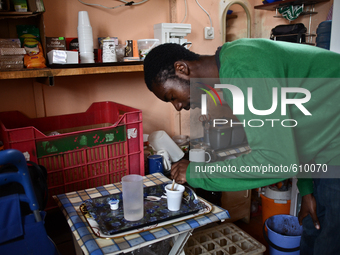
85	38
86	57
174	197
133	199
171	32
160	140
83	19
166	159
278	195
145	46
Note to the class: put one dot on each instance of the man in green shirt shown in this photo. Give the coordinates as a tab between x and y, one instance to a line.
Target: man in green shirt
267	65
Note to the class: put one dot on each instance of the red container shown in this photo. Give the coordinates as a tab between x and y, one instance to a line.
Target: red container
91	149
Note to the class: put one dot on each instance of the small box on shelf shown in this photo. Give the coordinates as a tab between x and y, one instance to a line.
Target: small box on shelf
62	57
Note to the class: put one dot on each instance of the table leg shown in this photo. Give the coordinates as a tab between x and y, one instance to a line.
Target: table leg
179	242
77	248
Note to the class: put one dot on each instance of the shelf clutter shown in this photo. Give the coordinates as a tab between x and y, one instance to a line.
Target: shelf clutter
278	4
12	67
291	10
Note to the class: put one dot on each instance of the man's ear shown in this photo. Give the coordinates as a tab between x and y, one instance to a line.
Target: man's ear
181	68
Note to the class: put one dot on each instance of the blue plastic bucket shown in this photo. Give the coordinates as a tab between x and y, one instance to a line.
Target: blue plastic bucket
284	234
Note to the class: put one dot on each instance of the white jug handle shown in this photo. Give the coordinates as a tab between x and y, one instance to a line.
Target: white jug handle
209	158
166	163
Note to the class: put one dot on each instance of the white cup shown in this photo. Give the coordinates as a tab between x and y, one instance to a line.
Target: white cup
85	40
160	140
86	57
83	18
166	159
174	197
198	155
85	47
84	30
85	35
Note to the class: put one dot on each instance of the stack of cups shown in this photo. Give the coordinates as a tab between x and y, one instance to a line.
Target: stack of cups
85	38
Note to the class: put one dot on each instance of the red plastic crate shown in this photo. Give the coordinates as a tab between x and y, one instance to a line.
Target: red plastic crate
93	148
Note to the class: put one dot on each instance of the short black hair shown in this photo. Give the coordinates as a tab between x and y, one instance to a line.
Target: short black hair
159	62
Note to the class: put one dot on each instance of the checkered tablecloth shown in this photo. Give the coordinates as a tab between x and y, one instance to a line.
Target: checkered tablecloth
91	244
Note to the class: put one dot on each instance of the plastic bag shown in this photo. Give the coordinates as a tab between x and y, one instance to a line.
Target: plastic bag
30	40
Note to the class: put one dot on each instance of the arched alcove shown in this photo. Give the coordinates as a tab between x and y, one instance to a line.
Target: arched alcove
225	6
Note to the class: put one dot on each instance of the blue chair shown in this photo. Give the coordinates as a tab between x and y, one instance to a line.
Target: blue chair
19	233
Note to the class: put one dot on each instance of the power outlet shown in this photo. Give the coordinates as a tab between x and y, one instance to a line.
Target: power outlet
209	33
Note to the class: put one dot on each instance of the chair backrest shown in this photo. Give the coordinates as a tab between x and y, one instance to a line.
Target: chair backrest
15	157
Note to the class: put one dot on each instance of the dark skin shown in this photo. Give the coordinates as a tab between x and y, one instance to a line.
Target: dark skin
177	92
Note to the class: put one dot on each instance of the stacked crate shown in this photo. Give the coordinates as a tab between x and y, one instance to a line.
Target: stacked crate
226	239
81	150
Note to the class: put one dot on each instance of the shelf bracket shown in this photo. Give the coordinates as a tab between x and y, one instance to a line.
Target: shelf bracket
49	80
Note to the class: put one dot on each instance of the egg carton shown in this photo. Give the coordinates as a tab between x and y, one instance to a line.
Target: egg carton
225	239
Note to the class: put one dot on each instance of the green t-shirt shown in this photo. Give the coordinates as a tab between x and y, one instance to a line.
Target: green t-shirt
263	65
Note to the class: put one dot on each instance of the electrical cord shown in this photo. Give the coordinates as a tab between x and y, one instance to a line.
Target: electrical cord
185	3
205	12
126	3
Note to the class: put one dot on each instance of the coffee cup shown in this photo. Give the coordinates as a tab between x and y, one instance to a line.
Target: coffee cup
198	155
155	164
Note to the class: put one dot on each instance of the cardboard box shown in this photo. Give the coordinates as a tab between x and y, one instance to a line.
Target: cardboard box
62	57
36	6
8	27
5	5
72	43
237	203
55	43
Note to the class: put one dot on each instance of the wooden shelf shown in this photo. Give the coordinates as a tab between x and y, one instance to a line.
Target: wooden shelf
279	4
18	15
54	72
231	16
15	13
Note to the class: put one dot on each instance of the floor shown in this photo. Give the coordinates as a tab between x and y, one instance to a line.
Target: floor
59	231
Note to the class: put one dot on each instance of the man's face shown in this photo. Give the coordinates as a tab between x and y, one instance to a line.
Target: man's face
177	92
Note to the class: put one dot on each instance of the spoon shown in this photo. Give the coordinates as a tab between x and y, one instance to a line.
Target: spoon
173	184
154	198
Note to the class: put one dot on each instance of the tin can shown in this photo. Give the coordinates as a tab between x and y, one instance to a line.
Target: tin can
109	51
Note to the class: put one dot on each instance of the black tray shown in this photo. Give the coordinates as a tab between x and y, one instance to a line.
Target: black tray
112	222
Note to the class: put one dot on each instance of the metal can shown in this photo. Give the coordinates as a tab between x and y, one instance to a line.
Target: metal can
109	51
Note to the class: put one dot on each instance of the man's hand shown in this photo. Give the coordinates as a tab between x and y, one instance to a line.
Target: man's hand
308	207
179	171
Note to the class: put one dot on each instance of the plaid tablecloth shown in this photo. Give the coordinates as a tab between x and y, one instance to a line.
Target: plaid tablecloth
69	203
